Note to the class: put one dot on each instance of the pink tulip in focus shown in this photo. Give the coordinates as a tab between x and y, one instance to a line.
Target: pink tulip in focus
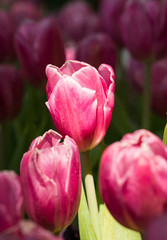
81	100
11	200
11	92
133	179
51	181
96	49
158	82
37	44
145	36
110	12
27	230
77	20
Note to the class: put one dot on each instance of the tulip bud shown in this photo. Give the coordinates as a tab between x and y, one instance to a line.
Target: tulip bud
6	37
11	200
25	230
11	92
145	36
157	229
158	82
37	44
51	181
81	96
77	20
110	12
96	49
133	179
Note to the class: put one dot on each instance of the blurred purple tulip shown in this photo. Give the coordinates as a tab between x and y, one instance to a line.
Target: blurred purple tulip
11	200
6	37
51	181
80	95
38	44
157	229
133	179
77	20
27	230
158	82
110	12
145	36
11	92
96	49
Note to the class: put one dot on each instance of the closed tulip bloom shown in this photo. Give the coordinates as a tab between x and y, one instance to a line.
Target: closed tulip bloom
133	179
158	82
37	44
145	36
27	230
11	92
110	12
51	181
81	100
96	49
11	200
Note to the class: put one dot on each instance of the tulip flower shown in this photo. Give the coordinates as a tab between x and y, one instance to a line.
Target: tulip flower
11	200
77	20
158	82
11	92
157	229
27	230
145	36
133	179
110	12
96	49
6	37
81	96
51	181
37	44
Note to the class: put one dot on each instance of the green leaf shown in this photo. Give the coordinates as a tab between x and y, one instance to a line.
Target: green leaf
111	229
165	135
86	230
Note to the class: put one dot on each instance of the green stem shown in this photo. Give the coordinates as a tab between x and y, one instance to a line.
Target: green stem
147	96
91	193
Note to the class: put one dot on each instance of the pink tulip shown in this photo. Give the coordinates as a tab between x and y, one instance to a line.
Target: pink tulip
158	82
81	100
11	200
27	230
133	179
51	181
37	44
11	92
145	36
110	12
96	49
77	20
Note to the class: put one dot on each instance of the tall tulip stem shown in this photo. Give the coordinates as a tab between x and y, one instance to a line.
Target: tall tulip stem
147	96
91	193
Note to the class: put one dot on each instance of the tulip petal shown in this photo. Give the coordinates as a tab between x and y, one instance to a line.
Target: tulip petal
71	67
78	118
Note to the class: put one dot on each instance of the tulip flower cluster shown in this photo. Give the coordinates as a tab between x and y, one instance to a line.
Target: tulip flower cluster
70	117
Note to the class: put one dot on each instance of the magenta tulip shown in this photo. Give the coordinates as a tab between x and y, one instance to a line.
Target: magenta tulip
110	12
81	100
51	181
77	20
145	36
11	92
27	230
96	49
11	200
158	82
133	179
6	37
37	44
